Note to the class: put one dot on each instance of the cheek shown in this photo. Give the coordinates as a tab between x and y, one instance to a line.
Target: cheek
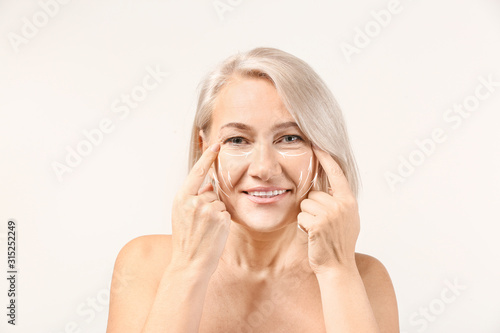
230	169
301	169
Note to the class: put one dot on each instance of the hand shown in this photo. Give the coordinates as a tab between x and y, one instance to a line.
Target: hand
330	220
200	222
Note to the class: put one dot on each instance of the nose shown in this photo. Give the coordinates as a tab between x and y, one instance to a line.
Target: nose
264	162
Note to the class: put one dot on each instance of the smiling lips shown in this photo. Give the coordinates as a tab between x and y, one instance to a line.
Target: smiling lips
269	194
265	194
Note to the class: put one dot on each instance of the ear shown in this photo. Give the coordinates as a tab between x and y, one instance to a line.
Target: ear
202	140
203	144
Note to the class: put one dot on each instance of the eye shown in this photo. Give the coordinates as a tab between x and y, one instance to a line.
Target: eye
291	138
237	140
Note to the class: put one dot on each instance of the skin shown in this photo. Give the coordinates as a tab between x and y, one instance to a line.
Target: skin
232	265
269	233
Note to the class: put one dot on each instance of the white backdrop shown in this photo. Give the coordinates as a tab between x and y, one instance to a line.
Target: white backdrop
418	82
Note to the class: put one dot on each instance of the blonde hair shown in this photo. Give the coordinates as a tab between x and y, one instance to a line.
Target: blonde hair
303	93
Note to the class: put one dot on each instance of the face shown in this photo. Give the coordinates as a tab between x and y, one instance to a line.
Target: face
265	166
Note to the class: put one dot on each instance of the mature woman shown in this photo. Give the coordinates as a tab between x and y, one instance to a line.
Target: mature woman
265	225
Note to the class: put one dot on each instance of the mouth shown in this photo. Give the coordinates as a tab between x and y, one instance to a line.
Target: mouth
266	196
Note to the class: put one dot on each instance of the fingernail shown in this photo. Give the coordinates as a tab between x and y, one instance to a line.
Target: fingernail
215	147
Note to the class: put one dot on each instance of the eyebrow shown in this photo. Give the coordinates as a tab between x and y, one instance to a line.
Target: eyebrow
244	127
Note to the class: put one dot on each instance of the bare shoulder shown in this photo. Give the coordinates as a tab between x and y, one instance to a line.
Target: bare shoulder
368	265
380	291
373	273
146	257
147	250
138	269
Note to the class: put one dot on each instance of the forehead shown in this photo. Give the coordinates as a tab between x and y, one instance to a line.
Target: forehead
253	101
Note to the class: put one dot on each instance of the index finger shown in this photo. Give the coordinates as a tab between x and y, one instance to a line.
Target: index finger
336	177
197	174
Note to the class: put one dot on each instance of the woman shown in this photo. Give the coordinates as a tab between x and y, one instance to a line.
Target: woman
264	227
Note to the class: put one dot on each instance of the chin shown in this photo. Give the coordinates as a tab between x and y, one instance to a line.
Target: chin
263	222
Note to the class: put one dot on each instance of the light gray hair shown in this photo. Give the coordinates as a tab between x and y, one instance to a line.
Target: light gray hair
303	93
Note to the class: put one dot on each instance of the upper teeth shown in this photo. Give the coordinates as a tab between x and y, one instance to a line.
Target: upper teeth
270	193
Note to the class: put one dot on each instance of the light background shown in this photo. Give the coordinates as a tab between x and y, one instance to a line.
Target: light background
440	225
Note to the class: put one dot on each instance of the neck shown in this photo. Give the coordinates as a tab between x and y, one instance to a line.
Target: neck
264	254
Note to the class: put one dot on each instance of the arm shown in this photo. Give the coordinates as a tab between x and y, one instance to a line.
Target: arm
149	293
171	275
359	299
178	304
356	291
